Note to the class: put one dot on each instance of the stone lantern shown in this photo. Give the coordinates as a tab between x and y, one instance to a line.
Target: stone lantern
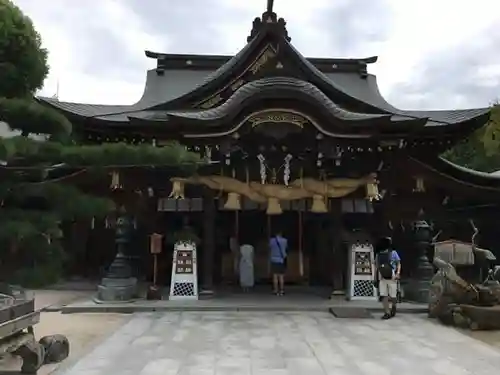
119	284
419	286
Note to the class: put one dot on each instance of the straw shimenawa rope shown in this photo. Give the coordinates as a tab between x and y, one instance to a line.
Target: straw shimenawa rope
272	194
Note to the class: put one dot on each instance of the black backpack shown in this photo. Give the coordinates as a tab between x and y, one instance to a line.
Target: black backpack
384	264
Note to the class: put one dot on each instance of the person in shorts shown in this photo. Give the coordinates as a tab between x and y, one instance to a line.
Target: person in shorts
278	246
388	265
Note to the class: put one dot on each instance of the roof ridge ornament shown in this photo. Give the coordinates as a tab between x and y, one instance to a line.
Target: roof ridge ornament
270	4
269	19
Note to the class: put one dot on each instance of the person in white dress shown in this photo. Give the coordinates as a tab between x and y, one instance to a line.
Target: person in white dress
246	266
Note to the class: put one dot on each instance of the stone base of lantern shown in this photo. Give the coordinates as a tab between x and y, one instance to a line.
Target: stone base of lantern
116	290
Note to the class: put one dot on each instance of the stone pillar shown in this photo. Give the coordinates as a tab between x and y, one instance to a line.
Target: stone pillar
208	241
419	285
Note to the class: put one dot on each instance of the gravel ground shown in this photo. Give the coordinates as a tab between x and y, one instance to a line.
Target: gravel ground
84	331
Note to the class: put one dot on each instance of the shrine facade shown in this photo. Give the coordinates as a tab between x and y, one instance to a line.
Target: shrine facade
308	146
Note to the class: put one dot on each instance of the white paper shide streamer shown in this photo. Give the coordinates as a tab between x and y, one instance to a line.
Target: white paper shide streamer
263	173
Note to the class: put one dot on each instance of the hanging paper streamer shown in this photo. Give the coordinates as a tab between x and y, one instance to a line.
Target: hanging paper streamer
286	172
262	164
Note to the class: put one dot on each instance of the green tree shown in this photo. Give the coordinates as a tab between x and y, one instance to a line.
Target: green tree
23	61
33	200
480	151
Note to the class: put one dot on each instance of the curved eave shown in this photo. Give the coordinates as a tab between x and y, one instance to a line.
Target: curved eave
225	125
332	120
80	109
452	120
460	174
443	118
292	89
278	88
453	132
223	73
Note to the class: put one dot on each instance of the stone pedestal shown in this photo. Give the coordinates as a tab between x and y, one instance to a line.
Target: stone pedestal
117	290
418	288
118	285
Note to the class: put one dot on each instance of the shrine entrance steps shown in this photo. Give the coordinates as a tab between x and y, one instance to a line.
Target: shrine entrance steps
296	299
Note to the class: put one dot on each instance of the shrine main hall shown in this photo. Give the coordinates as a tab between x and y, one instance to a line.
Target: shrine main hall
308	146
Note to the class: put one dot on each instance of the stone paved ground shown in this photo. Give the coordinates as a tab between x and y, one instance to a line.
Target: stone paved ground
176	343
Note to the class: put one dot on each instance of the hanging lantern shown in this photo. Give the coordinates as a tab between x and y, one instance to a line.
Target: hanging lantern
233	202
177	190
419	185
318	205
115	181
274	207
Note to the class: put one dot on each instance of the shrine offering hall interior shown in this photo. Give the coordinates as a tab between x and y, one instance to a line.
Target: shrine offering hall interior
307	146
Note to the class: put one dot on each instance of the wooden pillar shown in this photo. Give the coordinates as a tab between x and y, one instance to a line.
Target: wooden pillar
338	257
208	254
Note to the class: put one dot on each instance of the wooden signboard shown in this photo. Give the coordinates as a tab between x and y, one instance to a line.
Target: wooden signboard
155	243
184	281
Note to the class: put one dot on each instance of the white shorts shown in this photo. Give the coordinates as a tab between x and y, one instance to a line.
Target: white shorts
388	288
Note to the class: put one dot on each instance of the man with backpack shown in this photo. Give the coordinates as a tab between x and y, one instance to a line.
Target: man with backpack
388	264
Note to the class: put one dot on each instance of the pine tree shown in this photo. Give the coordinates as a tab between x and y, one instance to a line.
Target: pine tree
36	189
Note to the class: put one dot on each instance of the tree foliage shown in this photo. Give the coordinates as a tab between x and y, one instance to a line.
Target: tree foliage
481	151
23	61
33	204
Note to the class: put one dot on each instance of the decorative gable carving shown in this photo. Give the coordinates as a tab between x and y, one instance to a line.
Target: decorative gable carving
270	20
266	56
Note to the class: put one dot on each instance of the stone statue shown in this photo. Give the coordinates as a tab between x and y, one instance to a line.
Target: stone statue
456	302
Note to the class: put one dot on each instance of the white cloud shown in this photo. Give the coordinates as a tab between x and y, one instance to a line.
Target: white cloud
418	30
423	28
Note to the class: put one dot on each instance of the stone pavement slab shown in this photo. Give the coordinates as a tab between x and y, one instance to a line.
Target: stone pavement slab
254	343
